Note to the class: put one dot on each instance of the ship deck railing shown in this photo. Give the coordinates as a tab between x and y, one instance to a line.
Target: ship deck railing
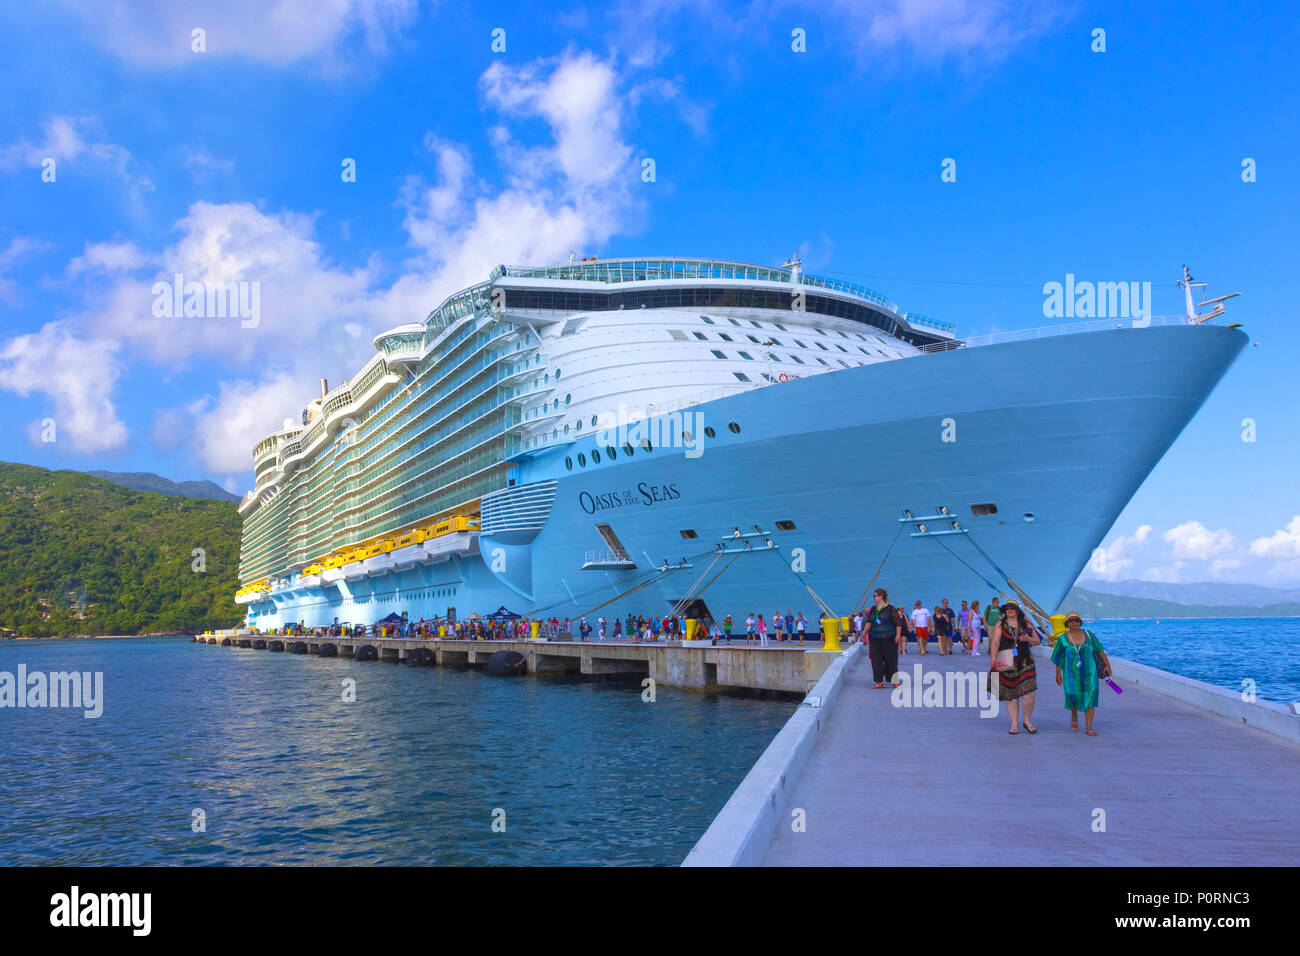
1051	331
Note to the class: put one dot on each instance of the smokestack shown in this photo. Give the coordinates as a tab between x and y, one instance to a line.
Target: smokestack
324	387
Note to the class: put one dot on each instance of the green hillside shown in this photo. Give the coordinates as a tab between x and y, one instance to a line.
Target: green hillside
82	555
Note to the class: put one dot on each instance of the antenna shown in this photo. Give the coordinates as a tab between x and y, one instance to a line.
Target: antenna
794	264
1187	283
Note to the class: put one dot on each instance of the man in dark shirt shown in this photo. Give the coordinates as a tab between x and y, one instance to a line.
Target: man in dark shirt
884	631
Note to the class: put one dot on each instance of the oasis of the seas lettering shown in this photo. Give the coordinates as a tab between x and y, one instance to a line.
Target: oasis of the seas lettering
646	494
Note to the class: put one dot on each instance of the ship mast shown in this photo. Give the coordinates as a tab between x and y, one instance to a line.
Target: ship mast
1217	307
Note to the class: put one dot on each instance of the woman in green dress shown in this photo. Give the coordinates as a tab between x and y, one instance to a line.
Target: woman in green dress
1075	657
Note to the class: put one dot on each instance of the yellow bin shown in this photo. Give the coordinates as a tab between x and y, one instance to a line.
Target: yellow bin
691	625
831	634
442	630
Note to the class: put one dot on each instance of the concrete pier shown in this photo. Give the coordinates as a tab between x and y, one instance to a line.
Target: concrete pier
1180	774
695	665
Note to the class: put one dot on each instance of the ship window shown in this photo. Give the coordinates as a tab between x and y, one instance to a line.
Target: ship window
688	437
582	460
568	464
773	356
822	347
800	344
780	326
646	446
741	376
725	337
593	421
709	432
568	398
797	359
611	452
755	323
701	336
566	429
988	509
774	341
1029	516
840	347
819	332
676	334
752	339
746	355
595	457
785	526
844	363
734	428
718	354
627	449
688	533
577	425
707	319
557	374
733	321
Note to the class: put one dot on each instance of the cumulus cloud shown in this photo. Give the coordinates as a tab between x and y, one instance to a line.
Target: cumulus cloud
79	375
1116	561
1192	540
277	32
109	258
1283	544
229	424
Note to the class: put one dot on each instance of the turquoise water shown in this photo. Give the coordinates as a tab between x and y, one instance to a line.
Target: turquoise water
1220	651
286	772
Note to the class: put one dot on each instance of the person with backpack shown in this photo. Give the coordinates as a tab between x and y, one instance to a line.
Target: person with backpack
1081	663
884	629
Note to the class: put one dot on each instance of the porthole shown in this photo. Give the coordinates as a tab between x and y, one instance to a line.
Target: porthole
582	460
593	421
557	374
785	526
577	425
568	399
566	429
611	452
709	432
627	450
595	457
646	446
568	463
1029	516
733	427
688	437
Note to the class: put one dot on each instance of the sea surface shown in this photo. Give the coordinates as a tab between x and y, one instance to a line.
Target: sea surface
284	771
1220	651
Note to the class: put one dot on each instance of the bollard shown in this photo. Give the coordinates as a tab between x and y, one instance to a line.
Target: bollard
831	634
1058	627
534	626
846	628
442	630
691	625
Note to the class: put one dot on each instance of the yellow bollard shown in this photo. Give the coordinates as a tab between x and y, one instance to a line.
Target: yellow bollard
534	626
831	634
442	630
1058	627
846	628
691	625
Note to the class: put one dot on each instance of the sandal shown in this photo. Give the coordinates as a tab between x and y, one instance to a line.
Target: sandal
1074	724
877	686
1013	733
1092	733
1032	730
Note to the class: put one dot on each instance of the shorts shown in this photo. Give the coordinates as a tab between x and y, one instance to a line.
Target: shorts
922	633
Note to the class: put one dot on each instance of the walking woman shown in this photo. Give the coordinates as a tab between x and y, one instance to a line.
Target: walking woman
1076	659
975	624
1009	644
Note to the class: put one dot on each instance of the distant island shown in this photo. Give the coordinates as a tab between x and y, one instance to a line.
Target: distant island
85	555
1095	604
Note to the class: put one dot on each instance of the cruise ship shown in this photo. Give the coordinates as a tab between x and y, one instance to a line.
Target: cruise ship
707	437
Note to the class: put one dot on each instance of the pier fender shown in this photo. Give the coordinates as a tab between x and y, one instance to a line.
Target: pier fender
365	652
259	645
225	642
506	663
299	647
327	650
276	645
245	642
419	657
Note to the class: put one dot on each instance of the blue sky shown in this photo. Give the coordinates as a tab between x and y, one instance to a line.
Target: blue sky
225	165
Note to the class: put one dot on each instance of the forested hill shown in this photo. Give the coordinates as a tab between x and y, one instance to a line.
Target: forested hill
82	555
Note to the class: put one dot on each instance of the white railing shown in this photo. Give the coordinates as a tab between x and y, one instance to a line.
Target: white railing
606	556
1051	331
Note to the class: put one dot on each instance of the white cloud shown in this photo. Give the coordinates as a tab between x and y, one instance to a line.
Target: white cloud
202	164
18	247
278	32
79	375
1282	545
71	139
1116	561
109	258
228	425
938	29
1192	540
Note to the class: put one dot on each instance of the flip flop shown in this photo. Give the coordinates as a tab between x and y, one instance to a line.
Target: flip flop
1013	733
1032	730
1092	733
1074	724
877	686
